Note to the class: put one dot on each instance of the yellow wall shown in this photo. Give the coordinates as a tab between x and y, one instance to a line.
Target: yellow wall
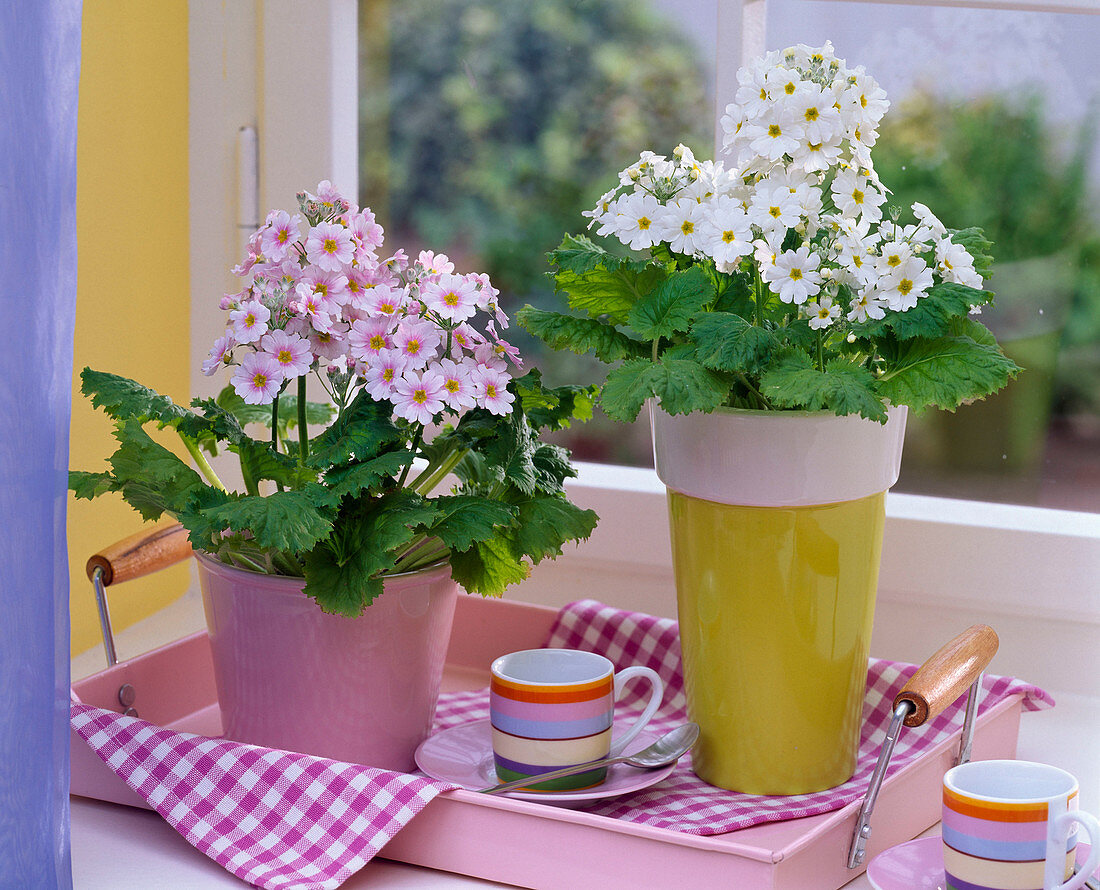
133	297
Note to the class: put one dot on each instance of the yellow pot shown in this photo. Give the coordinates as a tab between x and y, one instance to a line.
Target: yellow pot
776	524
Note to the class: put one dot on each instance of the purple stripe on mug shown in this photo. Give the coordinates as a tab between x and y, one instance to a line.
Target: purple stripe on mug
546	729
1002	831
1006	851
954	883
524	769
522	710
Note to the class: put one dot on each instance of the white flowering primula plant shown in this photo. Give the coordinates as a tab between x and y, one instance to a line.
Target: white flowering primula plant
781	277
420	393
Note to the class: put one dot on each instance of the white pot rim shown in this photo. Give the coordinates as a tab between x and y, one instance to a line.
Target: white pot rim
777	458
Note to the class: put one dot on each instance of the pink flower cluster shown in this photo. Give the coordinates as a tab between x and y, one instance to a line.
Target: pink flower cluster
318	298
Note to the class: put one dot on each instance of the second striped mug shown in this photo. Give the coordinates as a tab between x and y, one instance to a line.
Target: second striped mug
551	708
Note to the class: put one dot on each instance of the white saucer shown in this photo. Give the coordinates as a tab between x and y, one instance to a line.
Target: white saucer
464	755
918	865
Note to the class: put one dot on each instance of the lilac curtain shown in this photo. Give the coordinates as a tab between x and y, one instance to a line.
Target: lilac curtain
39	70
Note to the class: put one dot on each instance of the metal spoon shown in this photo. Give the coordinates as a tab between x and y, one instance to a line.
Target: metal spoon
667	749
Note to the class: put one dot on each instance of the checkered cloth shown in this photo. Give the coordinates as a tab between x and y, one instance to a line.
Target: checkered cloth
685	803
272	818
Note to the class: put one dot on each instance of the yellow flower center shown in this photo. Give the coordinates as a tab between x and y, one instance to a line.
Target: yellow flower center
377	342
260	380
285	356
282	236
452	386
420	396
329	246
893	260
450	298
644	223
491	390
387	375
857	196
789	88
904	286
687	227
812	114
728	236
412	347
775	131
763	95
774	211
796	274
862	101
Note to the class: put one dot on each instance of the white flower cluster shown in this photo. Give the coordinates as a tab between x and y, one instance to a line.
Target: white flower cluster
801	197
323	300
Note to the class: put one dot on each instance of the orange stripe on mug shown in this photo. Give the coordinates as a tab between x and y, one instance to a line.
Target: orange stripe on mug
995	811
551	693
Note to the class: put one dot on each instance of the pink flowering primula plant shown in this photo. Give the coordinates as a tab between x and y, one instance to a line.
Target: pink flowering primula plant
426	445
778	277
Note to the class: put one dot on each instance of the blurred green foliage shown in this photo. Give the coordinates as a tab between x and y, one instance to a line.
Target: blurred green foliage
503	120
488	126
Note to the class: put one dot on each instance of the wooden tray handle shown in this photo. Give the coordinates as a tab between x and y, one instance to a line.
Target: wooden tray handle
948	673
149	550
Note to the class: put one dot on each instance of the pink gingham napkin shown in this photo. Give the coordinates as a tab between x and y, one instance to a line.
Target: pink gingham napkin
272	818
683	802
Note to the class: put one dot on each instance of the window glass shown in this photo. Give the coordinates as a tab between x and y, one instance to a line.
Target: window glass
488	126
992	123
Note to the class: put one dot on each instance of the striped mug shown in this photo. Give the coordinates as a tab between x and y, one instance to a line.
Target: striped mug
552	708
1012	825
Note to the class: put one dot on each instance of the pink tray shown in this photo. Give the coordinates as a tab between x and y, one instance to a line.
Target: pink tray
521	842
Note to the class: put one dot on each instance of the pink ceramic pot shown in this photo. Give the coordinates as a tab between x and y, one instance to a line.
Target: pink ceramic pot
289	676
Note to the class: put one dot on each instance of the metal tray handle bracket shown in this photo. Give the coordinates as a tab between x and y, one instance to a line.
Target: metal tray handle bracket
939	682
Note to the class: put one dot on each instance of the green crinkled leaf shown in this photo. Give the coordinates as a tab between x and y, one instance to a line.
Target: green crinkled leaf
843	388
579	335
978	246
727	342
684	386
932	315
318	413
626	390
580	254
672	306
283	520
553	408
734	294
508	453
365	427
603	292
945	372
342	588
125	399
151	478
342	573
352	479
545	523
467	519
489	567
553	467
91	485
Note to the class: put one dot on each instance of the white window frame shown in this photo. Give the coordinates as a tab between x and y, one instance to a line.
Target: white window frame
1033	573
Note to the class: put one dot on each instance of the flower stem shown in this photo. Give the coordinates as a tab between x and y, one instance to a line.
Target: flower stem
758	292
203	464
303	433
432	476
415	445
